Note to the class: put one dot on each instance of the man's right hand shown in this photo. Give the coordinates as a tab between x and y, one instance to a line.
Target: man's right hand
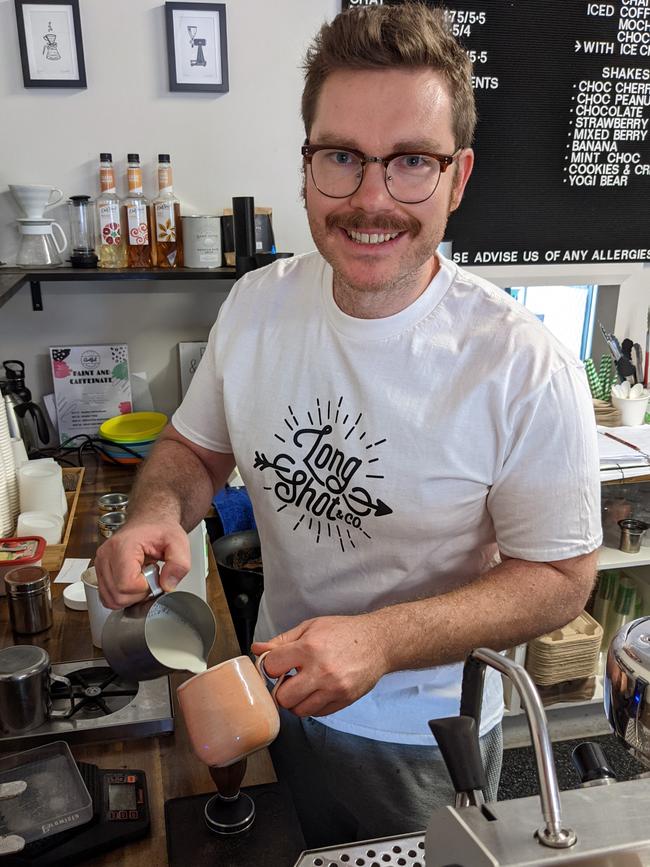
120	560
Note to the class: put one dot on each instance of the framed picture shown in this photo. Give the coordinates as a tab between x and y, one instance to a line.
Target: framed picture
197	48
51	48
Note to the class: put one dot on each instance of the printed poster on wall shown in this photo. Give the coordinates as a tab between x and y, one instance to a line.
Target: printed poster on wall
91	384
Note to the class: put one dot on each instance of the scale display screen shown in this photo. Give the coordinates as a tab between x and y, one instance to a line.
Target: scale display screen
121	797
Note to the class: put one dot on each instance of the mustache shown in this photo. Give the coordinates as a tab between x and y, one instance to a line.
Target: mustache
356	221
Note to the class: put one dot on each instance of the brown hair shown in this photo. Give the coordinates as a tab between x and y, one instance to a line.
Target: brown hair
377	37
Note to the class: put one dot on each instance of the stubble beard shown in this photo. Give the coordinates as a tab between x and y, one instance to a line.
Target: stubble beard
409	281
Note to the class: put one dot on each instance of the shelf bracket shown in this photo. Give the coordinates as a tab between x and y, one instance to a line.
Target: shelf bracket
37	299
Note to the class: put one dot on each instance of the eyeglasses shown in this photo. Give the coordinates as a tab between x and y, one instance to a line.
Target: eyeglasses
409	178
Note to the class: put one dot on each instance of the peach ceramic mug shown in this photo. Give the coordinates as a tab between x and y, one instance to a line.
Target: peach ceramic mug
229	712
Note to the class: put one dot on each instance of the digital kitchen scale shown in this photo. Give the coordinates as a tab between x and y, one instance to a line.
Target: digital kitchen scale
120	814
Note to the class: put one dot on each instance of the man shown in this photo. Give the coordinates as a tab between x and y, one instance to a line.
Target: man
419	451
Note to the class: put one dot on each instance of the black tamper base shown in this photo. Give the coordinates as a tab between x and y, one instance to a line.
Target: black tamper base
273	840
224	816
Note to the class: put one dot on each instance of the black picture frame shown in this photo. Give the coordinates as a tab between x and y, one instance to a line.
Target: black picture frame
63	43
206	70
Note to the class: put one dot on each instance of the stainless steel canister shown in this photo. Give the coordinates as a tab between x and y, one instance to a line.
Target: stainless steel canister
201	241
30	599
25	680
631	534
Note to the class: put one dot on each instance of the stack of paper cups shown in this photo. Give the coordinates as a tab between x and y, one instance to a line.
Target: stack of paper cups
6	522
19	452
9	505
40	485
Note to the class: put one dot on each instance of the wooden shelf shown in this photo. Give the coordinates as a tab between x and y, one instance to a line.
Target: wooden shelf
13	279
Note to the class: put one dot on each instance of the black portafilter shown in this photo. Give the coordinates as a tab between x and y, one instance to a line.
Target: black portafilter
590	763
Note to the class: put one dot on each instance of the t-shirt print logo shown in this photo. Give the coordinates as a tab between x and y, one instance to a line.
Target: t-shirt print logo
323	479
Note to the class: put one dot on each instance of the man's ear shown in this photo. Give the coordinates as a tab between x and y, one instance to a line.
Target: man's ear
464	166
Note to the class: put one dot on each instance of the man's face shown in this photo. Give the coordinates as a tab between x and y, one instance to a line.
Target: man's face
381	112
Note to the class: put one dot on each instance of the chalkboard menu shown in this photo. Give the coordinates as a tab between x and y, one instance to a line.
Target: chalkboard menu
562	168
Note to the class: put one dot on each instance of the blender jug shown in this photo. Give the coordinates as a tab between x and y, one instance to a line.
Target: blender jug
39	246
82	232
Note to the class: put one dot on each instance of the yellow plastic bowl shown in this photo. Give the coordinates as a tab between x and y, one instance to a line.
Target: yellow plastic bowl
133	427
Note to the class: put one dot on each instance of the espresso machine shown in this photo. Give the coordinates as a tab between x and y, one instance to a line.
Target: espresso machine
604	823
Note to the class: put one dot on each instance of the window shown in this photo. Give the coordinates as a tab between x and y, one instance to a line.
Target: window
567	311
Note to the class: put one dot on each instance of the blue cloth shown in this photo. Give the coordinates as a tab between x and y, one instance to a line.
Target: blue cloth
235	510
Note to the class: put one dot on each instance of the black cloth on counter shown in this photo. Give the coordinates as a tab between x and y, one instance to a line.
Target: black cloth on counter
519	772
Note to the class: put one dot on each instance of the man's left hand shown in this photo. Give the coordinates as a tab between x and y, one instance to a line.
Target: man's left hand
337	659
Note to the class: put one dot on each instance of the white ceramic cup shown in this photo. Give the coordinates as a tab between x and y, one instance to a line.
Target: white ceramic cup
45	524
97	613
632	410
34	199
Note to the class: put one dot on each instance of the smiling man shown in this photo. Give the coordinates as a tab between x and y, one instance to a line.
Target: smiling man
420	452
378	220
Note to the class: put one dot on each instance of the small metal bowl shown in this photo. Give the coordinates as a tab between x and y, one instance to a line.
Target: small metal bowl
113	502
110	522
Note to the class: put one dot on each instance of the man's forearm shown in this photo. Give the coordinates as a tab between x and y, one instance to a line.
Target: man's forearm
173	483
508	605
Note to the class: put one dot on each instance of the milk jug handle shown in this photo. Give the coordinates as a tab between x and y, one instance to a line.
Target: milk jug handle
152	574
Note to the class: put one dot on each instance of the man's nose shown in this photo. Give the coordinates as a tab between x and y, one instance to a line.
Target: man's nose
372	194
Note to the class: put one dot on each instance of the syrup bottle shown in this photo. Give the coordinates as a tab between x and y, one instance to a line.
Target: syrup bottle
111	246
137	218
168	237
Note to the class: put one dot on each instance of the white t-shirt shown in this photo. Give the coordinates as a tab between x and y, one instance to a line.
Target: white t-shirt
387	458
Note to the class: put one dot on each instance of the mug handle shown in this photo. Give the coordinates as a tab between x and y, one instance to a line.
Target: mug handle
276	681
152	574
53	201
61	714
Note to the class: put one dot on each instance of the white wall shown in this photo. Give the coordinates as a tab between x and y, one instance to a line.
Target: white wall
245	142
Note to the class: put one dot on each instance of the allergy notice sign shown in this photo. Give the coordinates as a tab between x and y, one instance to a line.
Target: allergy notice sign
562	144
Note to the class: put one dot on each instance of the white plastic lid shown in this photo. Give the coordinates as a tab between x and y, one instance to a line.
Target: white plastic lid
74	596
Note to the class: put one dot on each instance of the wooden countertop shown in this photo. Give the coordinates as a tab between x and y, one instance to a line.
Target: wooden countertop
170	766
